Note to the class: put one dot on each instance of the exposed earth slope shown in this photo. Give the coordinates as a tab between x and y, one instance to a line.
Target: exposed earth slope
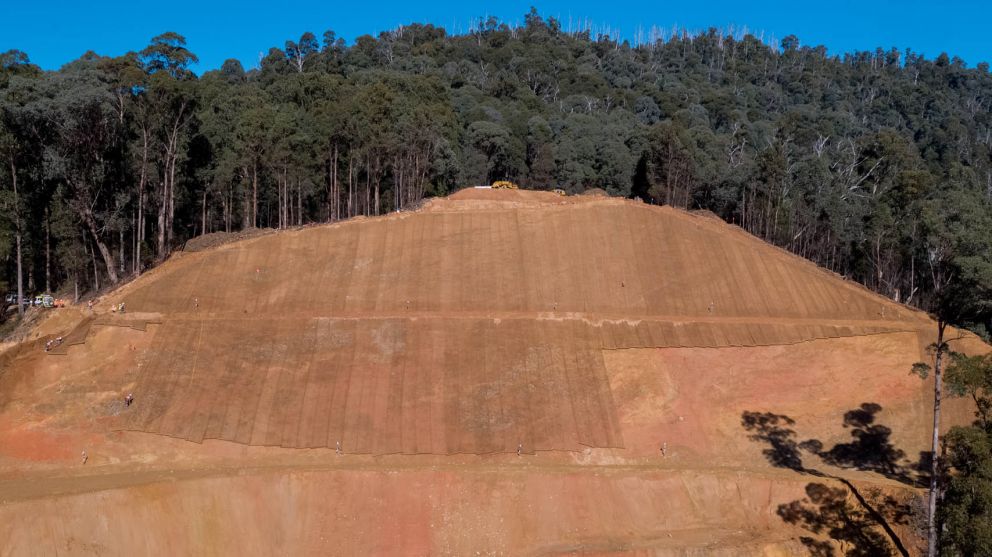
671	384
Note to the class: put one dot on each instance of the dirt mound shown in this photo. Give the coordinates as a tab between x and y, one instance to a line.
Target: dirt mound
605	375
595	192
706	213
214	239
603	258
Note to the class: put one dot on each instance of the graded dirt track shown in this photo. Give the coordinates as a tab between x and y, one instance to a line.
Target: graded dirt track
588	332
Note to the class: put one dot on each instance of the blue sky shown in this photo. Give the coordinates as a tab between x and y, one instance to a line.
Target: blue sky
54	32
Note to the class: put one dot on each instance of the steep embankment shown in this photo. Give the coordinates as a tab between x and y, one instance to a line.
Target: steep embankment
659	372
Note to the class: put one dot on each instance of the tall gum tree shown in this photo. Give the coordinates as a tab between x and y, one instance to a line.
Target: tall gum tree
170	86
14	63
959	255
12	206
77	109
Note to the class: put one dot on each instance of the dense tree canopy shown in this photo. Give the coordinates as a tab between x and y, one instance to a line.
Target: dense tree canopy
967	504
872	164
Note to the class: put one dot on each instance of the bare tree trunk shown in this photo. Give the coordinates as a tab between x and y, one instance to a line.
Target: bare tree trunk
397	184
17	240
48	252
141	201
203	219
120	263
744	208
334	182
108	257
161	218
935	444
351	189
20	275
246	199
169	201
254	194
141	232
164	216
419	194
172	202
96	273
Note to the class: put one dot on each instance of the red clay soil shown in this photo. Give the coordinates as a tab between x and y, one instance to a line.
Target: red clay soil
586	332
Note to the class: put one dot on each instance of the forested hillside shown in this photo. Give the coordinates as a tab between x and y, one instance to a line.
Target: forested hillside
877	165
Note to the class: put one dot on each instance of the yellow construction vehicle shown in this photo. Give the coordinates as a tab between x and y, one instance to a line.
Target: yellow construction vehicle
560	192
504	185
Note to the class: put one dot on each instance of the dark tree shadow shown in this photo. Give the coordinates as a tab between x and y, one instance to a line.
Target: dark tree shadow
870	449
922	467
817	548
829	511
861	526
775	430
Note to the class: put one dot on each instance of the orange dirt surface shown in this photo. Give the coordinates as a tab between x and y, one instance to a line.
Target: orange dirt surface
618	347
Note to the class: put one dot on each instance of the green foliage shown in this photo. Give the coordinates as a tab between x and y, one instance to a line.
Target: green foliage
168	53
921	369
966	507
972	376
956	231
876	165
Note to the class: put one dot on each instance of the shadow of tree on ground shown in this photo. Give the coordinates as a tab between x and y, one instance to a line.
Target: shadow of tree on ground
871	448
784	450
862	526
857	527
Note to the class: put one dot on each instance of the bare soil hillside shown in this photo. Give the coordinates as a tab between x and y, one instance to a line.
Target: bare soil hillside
501	372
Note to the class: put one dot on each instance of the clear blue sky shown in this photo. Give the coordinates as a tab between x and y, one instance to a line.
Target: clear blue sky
54	32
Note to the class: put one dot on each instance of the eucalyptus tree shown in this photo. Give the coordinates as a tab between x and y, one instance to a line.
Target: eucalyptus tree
170	93
14	64
958	252
11	206
833	157
966	508
83	137
218	117
301	53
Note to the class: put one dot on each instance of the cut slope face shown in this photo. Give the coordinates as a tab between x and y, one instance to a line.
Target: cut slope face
617	346
377	386
599	257
463	328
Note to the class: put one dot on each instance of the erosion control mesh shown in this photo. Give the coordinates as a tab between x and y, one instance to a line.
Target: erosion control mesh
455	330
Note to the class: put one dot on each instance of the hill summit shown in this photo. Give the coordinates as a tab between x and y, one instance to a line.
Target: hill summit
502	371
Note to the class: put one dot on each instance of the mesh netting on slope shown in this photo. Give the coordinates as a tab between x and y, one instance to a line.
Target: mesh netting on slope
463	331
376	386
384	386
603	259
